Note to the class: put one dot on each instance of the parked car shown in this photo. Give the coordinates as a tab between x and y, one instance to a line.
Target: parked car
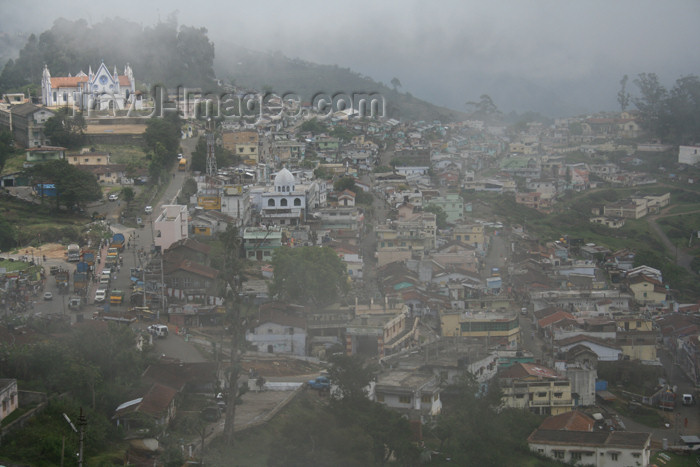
113	197
158	330
148	209
48	296
320	383
139	221
100	295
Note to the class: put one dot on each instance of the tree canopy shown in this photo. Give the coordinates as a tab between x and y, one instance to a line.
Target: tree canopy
74	186
672	116
309	275
66	129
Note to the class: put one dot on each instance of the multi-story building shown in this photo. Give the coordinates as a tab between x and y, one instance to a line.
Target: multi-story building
170	226
501	328
26	123
536	388
244	144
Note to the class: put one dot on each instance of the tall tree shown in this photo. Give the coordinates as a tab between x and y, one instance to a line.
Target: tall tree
66	128
652	105
684	110
623	97
395	83
485	109
310	275
231	278
6	147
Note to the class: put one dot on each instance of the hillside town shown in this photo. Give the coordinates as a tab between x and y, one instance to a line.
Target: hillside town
439	281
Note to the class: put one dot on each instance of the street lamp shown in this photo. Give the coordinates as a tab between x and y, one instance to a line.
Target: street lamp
82	421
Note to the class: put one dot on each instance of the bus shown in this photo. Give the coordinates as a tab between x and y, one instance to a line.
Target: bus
182	165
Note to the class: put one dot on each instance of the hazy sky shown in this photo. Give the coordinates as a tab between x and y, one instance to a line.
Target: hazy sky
518	51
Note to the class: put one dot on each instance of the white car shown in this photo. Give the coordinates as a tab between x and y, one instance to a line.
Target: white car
113	197
148	209
100	295
48	296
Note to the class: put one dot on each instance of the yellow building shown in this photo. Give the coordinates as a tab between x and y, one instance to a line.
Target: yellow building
647	290
495	327
469	234
242	143
536	388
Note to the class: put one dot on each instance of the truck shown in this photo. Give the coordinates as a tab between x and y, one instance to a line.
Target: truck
73	252
87	255
182	165
62	280
74	303
116	297
80	283
117	241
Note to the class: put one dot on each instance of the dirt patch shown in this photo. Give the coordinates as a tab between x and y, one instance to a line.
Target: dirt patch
51	250
279	366
133	129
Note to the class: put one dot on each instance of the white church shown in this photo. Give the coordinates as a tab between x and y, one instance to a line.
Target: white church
100	90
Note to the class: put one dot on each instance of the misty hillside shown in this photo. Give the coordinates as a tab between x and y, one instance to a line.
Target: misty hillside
174	55
165	53
276	72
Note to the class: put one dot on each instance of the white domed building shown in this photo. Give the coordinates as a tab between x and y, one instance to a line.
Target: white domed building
284	205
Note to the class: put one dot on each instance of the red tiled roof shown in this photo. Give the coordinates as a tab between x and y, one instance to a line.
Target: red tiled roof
199	269
157	399
67	81
555	317
124	80
571	421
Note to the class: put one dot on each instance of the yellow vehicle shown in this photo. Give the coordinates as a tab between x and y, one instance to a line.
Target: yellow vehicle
182	165
116	297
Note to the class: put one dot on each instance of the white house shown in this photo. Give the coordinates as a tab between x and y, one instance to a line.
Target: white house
414	393
279	332
688	155
170	226
597	448
8	396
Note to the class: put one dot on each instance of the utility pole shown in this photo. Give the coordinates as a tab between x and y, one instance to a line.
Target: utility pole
82	421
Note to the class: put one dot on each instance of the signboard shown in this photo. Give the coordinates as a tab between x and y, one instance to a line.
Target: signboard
209	203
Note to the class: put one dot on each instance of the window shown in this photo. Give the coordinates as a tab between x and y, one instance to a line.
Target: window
541	394
558	454
405	399
614	455
283	202
271	202
575	456
426	399
75	159
297	202
558	395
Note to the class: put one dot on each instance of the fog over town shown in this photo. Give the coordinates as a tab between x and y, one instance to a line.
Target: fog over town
557	58
368	233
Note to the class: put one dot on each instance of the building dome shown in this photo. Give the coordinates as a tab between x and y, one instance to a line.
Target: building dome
284	181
